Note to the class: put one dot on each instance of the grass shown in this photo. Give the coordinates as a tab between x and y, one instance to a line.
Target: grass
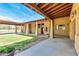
16	41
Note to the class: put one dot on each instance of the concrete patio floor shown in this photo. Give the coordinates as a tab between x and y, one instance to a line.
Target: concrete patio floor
51	47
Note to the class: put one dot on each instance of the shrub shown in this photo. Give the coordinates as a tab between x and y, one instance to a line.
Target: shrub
6	49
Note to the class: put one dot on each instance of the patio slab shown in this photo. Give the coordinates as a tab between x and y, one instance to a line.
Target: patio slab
51	47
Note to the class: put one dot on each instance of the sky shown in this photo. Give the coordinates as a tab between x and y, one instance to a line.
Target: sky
17	12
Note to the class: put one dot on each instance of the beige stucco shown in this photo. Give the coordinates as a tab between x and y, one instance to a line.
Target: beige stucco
74	26
59	21
77	29
72	23
33	27
51	28
37	31
51	24
46	23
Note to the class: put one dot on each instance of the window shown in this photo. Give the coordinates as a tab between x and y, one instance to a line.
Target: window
39	26
60	27
42	25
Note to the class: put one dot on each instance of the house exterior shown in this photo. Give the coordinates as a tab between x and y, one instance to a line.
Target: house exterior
61	20
59	26
43	27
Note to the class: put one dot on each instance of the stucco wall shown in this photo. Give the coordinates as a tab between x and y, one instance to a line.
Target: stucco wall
33	28
46	24
72	23
77	28
74	17
60	21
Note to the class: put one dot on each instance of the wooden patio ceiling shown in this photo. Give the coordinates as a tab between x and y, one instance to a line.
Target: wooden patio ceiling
51	10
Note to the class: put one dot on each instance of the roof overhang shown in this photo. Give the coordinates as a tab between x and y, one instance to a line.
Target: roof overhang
51	10
9	22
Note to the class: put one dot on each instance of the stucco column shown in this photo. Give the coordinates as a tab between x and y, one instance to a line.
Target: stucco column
15	28
51	28
27	28
36	31
21	28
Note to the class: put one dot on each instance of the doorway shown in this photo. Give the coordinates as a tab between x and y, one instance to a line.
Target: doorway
30	28
42	32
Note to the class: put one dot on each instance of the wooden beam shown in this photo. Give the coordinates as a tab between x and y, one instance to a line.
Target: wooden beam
53	9
62	10
44	5
37	9
66	6
62	14
40	4
55	4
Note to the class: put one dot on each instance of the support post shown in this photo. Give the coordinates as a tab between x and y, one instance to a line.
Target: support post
27	28
51	28
36	32
21	28
15	28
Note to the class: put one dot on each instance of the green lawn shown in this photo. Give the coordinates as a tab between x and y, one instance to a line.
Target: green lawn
15	40
7	39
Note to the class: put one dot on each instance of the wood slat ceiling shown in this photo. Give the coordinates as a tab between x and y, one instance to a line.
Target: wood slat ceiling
55	10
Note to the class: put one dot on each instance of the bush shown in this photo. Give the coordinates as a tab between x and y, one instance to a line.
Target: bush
21	45
6	49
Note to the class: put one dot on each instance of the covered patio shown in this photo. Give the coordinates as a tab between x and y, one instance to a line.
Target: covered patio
58	23
60	40
51	47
